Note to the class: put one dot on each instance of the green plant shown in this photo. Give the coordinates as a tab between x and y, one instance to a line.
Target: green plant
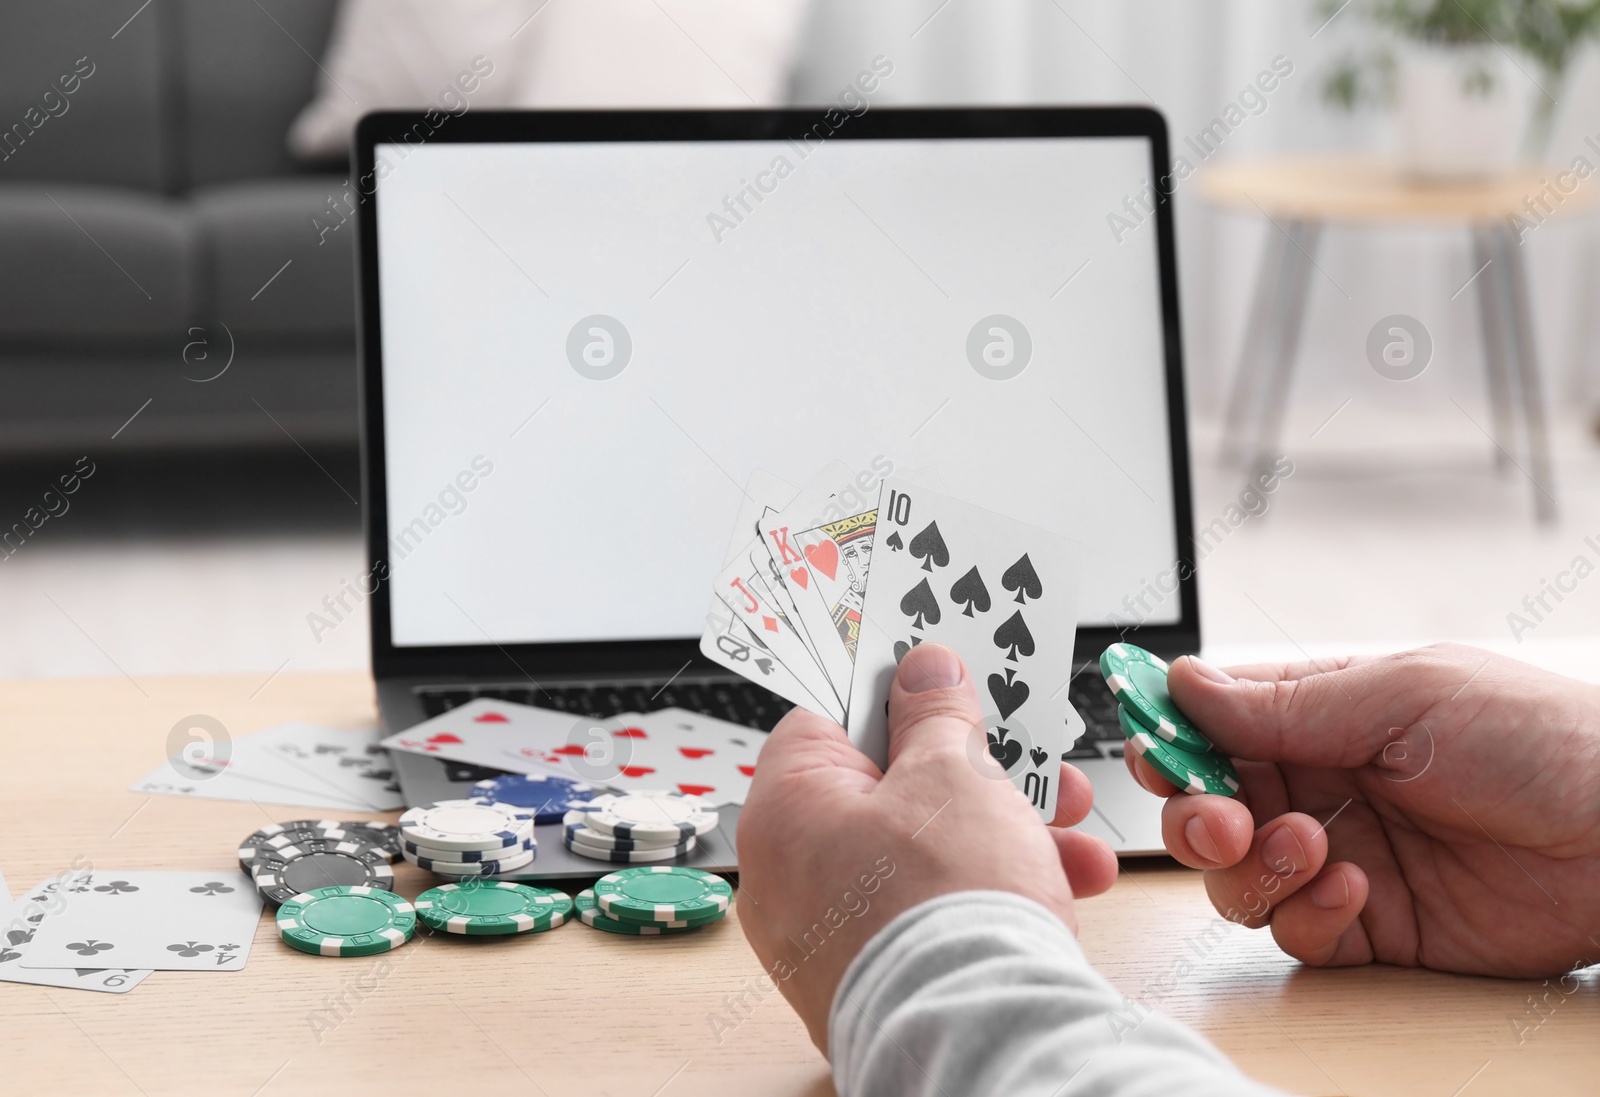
1548	32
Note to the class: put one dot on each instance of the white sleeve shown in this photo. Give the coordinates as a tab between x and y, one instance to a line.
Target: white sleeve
985	992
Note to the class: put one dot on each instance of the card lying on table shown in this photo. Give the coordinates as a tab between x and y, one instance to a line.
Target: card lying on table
867	584
167	921
19	924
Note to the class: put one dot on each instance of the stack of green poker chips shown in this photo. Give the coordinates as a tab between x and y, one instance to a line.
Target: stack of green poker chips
1157	729
346	921
492	908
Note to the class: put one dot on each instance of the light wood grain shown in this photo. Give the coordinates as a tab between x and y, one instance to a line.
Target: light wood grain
576	1010
1356	188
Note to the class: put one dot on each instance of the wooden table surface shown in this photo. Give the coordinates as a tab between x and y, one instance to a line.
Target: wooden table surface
579	1011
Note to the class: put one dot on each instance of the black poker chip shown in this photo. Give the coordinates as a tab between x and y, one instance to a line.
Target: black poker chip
281	874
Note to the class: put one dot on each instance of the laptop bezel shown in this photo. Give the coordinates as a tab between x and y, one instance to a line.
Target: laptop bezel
497	661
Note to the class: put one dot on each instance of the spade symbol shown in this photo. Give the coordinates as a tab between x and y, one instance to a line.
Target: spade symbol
1008	697
1014	634
1021	578
1003	750
894	542
970	589
901	648
919	603
928	546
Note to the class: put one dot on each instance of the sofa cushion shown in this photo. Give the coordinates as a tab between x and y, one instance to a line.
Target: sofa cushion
85	264
250	230
77	103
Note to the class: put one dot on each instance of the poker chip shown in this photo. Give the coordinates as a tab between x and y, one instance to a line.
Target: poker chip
1139	681
487	909
646	815
253	844
346	921
546	795
522	859
663	893
466	825
412	851
599	839
1195	774
281	874
629	856
635	919
384	836
590	914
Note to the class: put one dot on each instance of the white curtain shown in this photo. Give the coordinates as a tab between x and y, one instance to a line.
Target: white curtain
1191	58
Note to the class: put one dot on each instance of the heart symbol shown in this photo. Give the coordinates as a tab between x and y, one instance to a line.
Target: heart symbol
444	737
695	752
1008	698
696	790
636	771
824	556
490	718
801	577
1038	755
1004	751
748	771
569	750
630	733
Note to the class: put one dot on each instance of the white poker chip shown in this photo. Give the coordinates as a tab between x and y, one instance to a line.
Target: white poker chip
646	815
464	825
631	856
519	858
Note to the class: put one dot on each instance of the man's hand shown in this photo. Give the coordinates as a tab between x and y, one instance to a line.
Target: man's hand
831	849
1437	808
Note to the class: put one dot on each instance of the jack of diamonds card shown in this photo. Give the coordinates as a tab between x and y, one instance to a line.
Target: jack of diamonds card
1003	595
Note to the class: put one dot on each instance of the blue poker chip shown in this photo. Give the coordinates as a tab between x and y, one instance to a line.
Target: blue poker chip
546	795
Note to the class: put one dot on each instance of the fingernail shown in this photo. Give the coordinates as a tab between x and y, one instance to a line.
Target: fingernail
1199	839
1331	892
929	666
1283	852
1209	672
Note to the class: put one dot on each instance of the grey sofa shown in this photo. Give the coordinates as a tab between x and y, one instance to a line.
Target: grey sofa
146	198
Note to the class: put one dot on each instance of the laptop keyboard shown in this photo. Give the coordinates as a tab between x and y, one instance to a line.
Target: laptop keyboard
741	702
734	699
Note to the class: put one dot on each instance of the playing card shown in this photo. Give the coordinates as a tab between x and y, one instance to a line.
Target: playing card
20	922
168	921
350	765
500	734
1003	595
204	779
696	754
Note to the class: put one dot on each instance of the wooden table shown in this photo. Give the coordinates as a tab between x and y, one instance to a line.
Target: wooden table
577	1011
1300	195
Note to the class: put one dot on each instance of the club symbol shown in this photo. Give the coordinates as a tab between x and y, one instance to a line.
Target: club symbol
190	949
215	887
117	887
90	948
8	954
19	936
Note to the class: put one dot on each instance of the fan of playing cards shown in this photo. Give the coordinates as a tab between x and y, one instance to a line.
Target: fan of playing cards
794	611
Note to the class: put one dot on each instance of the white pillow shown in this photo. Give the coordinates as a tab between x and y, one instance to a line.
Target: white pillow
458	54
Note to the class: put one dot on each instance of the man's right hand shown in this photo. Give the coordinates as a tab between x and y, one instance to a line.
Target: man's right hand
1437	808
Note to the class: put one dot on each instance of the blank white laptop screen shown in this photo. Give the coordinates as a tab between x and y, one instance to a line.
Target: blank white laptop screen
762	306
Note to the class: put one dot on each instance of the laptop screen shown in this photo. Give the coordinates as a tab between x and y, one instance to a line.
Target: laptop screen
588	348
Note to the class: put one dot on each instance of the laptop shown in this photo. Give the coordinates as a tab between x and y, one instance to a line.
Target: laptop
777	289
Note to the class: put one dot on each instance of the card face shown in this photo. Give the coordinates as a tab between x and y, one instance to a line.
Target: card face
1003	595
728	642
744	591
167	921
488	732
204	781
19	924
351	765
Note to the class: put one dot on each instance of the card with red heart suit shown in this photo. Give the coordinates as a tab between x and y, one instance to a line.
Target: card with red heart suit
497	734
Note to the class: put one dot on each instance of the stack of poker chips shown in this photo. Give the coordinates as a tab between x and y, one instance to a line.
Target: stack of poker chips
639	826
1158	729
468	838
654	901
492	908
286	859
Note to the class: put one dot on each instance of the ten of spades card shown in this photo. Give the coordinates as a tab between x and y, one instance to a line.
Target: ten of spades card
1003	595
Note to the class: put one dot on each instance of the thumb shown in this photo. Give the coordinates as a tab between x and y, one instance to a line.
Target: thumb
933	706
1336	718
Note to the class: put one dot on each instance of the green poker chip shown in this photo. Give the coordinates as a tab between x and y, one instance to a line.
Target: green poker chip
1138	679
663	893
1193	773
346	921
590	914
490	908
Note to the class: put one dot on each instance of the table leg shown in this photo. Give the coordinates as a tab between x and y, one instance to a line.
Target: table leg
1260	332
1514	286
1493	320
1302	240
